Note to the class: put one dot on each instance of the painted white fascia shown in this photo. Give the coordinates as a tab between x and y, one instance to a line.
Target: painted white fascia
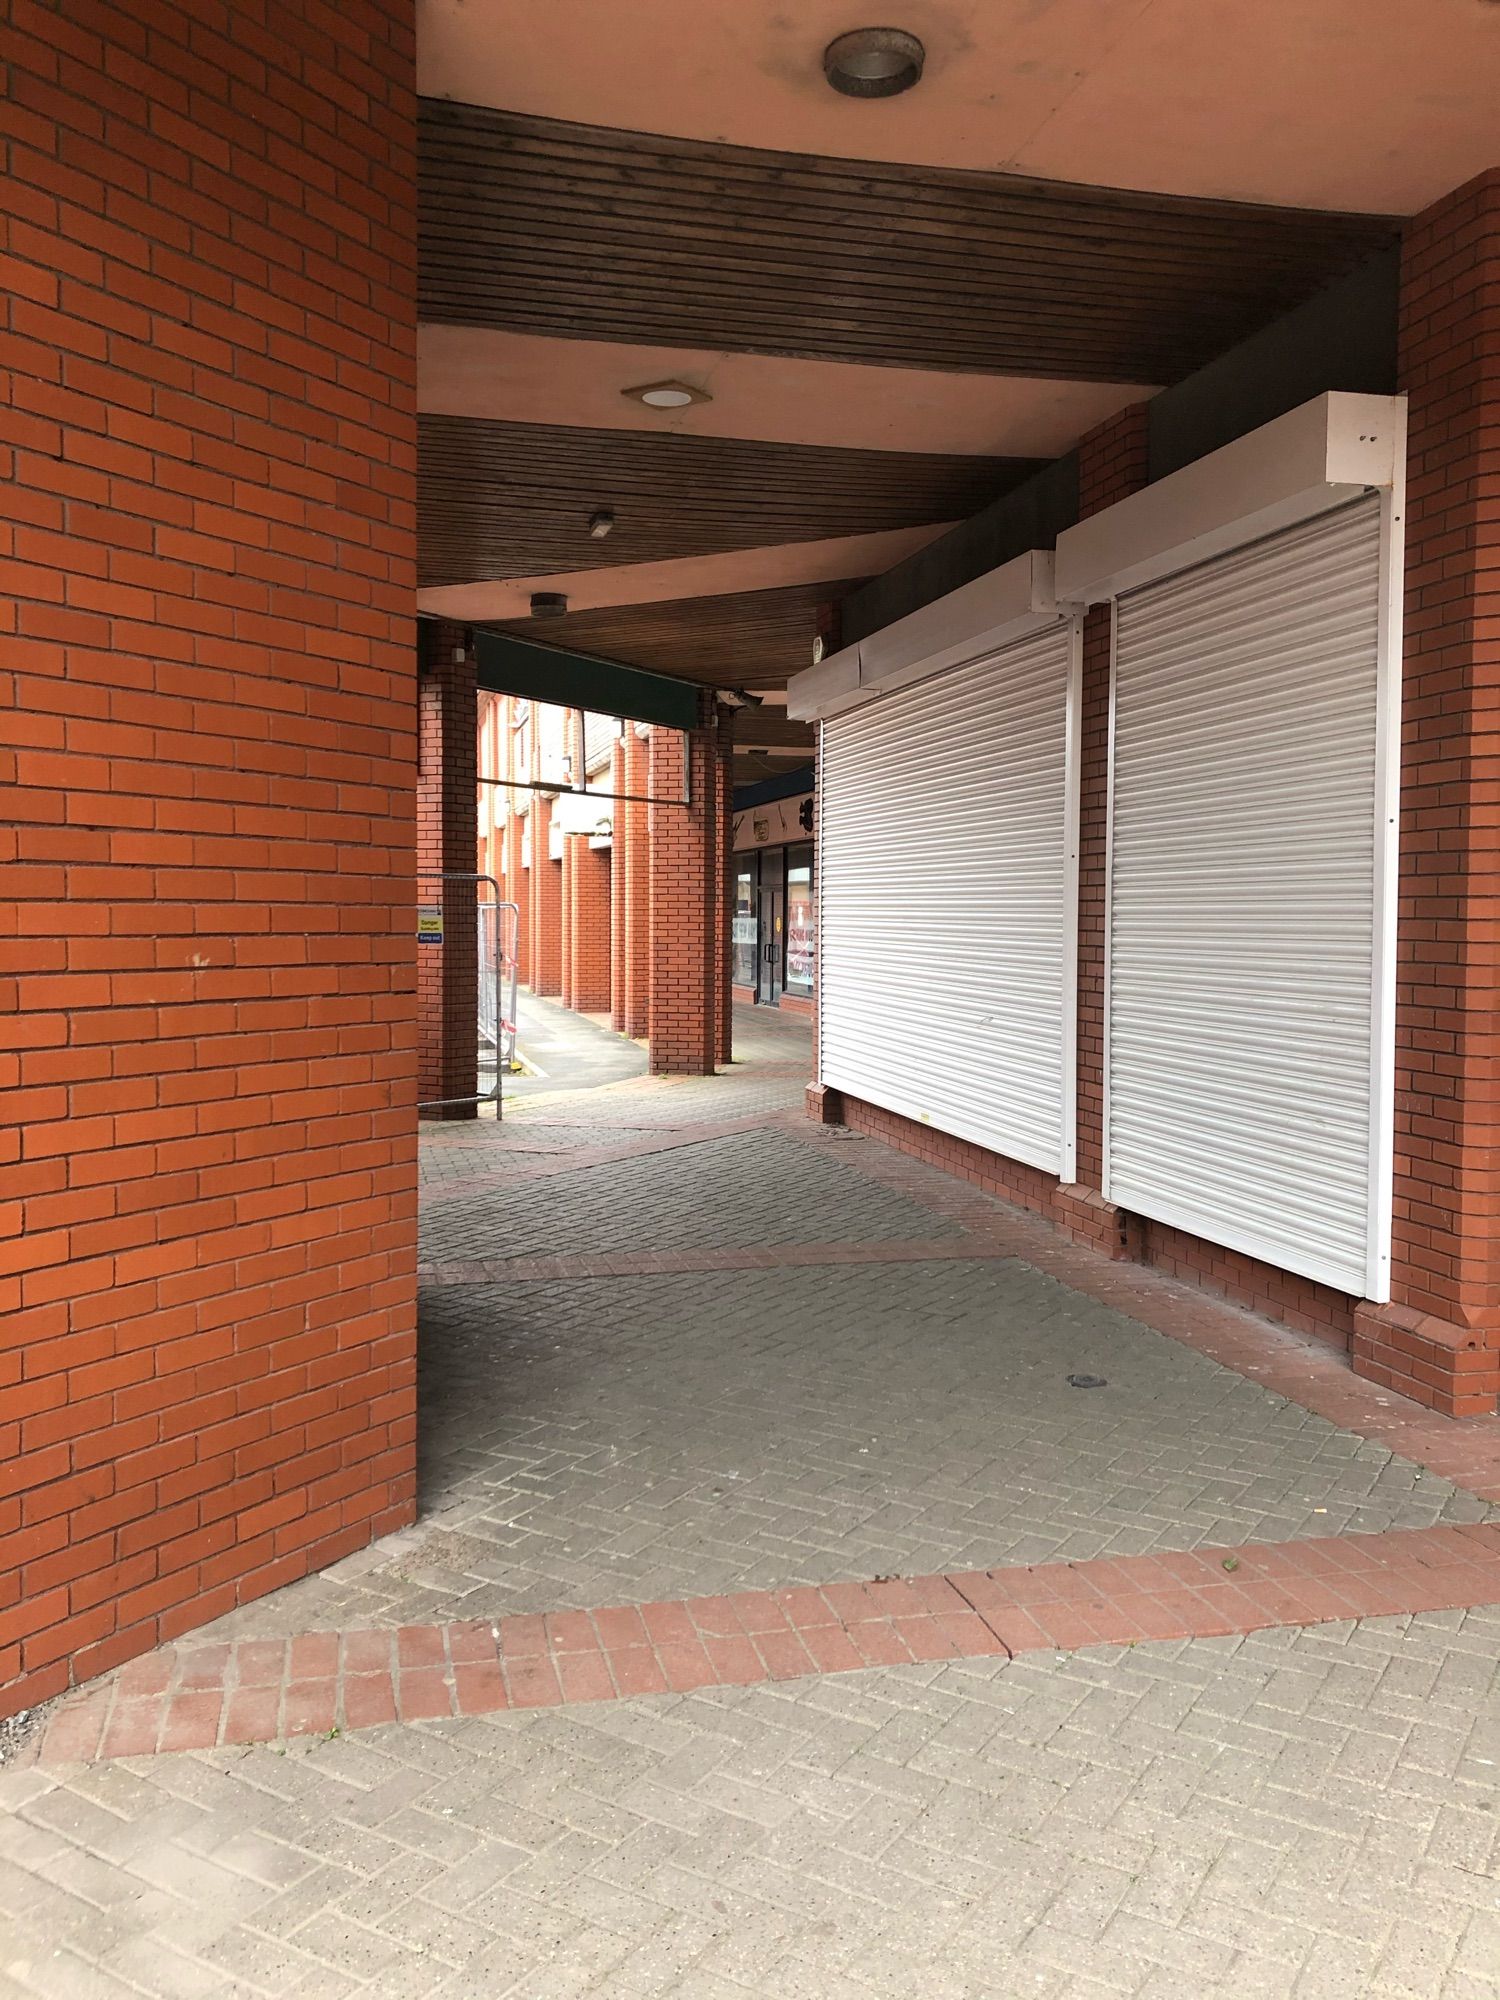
977	618
1316	457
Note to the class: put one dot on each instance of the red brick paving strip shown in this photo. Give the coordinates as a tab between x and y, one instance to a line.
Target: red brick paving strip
259	1690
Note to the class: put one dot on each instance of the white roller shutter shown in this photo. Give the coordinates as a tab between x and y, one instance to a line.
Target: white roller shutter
1246	890
948	900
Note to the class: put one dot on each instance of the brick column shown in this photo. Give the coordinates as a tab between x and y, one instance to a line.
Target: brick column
513	887
447	840
567	903
617	893
1111	466
724	841
1439	1340
637	878
589	930
208	676
684	902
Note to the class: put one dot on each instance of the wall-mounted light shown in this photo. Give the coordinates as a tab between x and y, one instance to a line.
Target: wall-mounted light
601	522
667	395
874	62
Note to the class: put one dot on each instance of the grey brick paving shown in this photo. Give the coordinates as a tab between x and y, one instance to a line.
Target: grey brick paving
1300	1814
1292	1816
611	1440
618	1440
762	1187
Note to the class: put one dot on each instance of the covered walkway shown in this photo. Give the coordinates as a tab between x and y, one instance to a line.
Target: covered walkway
883	1659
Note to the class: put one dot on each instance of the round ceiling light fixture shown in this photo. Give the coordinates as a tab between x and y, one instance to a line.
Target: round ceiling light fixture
874	62
667	395
548	604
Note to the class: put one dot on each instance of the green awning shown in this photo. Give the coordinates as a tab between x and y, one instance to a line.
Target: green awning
507	665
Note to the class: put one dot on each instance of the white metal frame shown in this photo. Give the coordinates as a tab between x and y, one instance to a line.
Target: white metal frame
1072	822
1387	870
1376	426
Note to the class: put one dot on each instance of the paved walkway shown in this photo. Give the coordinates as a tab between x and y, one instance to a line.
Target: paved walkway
784	1623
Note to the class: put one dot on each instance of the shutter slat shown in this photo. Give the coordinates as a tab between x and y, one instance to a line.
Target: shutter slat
945	899
1242	898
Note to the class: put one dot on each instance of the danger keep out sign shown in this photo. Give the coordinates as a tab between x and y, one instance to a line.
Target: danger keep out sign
430	924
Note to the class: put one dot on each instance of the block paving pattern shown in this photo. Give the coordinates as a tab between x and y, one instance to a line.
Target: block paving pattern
1295	1815
256	1691
759	1187
908	1683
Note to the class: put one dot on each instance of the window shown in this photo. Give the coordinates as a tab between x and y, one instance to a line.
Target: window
801	921
744	929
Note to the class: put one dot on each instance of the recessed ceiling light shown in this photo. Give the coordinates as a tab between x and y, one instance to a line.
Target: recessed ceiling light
601	522
874	62
667	395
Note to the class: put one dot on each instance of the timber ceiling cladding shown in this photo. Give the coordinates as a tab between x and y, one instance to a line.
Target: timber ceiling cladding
514	500
564	229
747	639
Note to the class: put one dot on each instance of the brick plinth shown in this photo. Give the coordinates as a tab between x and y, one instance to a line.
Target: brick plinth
447	846
1446	1252
1088	1217
1451	1368
207	674
825	1106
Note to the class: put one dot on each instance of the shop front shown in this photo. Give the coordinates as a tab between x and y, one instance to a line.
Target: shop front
773	921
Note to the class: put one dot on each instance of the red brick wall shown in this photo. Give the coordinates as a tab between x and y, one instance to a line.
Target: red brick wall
447	846
566	906
685	933
617	892
588	931
1439	1337
208	750
636	873
1447	1214
546	904
724	839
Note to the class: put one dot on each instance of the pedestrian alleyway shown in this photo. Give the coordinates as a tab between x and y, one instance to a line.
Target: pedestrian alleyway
886	1661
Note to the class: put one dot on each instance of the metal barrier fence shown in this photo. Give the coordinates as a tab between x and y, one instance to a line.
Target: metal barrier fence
442	925
499	933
